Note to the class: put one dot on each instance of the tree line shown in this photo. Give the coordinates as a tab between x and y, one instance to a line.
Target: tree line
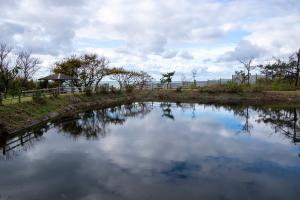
280	70
90	69
16	69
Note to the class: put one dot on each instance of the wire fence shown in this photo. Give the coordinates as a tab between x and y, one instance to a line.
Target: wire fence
26	95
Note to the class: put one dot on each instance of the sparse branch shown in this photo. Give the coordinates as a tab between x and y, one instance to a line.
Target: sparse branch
27	65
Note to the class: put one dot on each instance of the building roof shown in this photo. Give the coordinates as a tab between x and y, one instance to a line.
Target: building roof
58	77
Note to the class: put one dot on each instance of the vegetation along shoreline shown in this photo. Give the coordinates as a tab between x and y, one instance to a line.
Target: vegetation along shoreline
16	117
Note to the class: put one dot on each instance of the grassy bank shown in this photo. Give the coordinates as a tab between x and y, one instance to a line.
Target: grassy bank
15	117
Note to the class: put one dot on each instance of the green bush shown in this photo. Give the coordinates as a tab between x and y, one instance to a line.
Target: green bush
233	87
38	97
276	85
102	89
282	86
88	91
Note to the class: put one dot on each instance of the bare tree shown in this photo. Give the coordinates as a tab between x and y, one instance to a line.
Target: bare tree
27	65
142	79
7	71
295	61
247	62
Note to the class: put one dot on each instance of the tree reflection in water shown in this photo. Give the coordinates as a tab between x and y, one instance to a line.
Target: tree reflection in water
167	111
95	124
285	122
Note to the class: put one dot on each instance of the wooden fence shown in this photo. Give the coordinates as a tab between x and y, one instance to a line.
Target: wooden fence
149	86
30	93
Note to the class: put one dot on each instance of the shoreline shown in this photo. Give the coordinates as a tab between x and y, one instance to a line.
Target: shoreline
19	117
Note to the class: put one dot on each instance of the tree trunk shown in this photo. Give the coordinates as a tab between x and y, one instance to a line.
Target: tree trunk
298	70
248	77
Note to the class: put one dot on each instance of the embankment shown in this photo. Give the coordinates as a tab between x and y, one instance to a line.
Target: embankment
16	117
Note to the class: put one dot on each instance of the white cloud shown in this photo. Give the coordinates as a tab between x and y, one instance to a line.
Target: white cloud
154	33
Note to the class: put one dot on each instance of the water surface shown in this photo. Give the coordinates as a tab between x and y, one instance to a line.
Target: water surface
157	151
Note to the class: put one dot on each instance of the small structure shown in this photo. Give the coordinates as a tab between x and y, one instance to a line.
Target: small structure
58	77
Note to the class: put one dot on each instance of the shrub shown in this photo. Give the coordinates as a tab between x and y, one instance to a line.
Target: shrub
161	95
38	97
55	94
179	89
213	88
129	88
88	91
257	88
282	86
115	90
102	89
233	87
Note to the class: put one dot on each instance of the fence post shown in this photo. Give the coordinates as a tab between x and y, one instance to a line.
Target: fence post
19	95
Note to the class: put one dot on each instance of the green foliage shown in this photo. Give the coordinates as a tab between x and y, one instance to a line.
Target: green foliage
88	91
281	70
167	78
233	87
230	87
275	85
38	97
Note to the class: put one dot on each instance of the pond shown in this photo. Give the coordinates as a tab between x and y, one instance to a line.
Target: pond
157	151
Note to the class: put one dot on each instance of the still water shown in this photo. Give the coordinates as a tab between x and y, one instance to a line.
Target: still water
157	151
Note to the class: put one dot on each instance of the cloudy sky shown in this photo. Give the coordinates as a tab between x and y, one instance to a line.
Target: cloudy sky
155	35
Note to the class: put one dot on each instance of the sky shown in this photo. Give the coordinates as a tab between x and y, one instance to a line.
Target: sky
154	35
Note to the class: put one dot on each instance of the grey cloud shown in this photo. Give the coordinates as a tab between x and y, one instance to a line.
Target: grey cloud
169	54
244	50
41	30
186	55
146	27
69	3
8	30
